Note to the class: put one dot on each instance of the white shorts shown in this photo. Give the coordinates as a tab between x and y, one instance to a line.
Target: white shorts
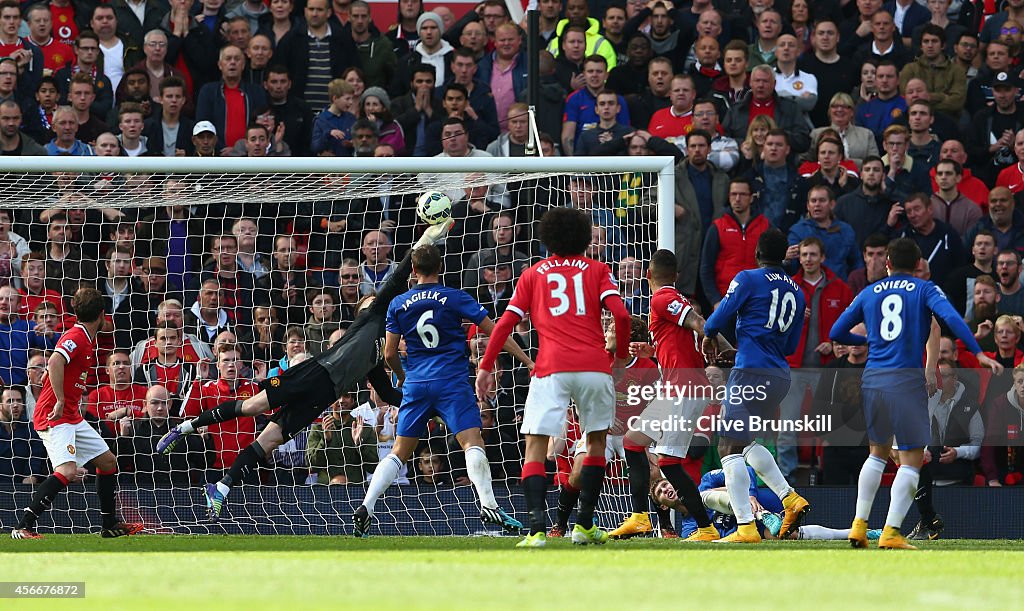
78	443
681	419
612	448
549	397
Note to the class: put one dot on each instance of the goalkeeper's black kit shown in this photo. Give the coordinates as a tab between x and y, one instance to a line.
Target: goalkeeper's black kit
304	391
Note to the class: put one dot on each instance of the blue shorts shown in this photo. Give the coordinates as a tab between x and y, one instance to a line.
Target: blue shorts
452	400
902	413
750	394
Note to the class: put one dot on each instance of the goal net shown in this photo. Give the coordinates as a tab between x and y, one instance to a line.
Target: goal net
219	271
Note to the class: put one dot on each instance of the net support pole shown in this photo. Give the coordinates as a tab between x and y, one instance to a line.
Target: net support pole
532	79
667	205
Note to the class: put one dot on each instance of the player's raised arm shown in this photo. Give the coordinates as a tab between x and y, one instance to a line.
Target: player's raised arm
391	358
850	318
940	306
487	325
381	382
398	283
727	307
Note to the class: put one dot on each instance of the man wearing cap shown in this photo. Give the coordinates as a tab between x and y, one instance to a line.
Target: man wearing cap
990	139
315	54
431	49
204	139
495	290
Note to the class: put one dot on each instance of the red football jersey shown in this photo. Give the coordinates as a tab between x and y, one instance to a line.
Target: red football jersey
638	372
675	346
77	349
233	436
56	54
65	29
564	297
106	399
187	352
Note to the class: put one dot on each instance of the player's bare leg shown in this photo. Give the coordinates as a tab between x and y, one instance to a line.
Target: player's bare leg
106	487
591	479
737	483
535	488
228	410
479	470
568	497
247	460
42	498
867	486
904	487
383	476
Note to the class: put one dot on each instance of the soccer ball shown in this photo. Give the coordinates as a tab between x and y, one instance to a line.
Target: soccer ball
434	208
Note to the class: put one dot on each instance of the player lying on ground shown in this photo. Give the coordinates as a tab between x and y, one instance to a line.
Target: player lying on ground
897	312
429	317
716	499
70	442
640	371
303	392
768	306
565	293
676	328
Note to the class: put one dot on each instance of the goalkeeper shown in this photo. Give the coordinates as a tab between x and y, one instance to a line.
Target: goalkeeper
305	391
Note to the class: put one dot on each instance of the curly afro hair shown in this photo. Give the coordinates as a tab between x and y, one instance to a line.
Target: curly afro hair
565	231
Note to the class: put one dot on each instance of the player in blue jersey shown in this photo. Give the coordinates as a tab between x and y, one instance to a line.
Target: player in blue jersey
436	382
769	310
897	312
719	508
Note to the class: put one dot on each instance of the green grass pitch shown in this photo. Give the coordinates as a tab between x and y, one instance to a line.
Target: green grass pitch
278	572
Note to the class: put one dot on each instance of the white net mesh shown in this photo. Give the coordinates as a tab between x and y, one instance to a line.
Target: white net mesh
273	263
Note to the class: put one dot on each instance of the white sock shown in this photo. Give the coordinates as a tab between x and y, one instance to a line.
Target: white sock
758	457
186	427
717	500
904	487
867	485
383	476
737	482
822	533
223	489
480	474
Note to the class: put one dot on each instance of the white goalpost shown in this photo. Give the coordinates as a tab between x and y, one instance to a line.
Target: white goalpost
257	261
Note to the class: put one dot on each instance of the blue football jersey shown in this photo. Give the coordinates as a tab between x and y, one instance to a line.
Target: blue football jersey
897	312
430	317
769	310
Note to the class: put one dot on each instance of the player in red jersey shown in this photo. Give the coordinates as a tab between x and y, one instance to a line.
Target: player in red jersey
564	295
676	328
120	398
638	372
231	436
70	442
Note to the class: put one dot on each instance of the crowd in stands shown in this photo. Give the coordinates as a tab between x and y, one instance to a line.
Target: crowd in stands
844	124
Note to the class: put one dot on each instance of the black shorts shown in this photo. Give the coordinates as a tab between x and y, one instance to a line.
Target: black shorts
300	395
